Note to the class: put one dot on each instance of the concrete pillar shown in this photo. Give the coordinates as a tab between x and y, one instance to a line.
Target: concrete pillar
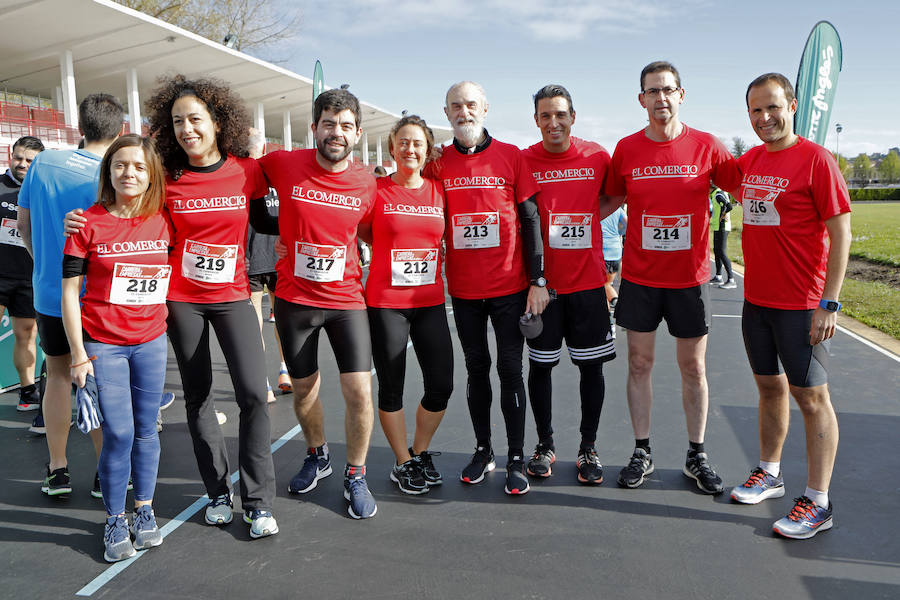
378	156
310	143
58	98
365	148
259	117
134	101
286	125
67	75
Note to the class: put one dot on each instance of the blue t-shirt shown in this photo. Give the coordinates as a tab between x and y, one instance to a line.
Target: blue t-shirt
613	227
57	181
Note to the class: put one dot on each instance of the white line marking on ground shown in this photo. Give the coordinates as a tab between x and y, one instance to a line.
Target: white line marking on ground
728	316
871	345
179	519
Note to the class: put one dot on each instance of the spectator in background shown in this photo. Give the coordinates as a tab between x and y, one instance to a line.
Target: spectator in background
720	225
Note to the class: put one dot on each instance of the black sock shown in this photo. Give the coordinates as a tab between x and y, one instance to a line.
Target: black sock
643	444
695	448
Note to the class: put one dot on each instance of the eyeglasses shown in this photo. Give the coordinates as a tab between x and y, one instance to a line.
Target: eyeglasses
666	91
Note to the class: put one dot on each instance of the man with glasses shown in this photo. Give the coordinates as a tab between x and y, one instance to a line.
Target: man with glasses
665	170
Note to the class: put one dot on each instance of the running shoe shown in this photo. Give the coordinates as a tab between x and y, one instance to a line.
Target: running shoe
262	523
516	482
219	511
270	395
356	491
539	465
159	420
284	382
167	399
97	492
29	398
426	465
116	540
715	279
590	471
143	527
697	468
271	316
37	424
408	477
805	520
633	474
728	285
57	482
758	487
482	462
316	466
221	417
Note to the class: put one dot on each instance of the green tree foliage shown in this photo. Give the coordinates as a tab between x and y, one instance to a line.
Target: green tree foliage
889	169
738	146
843	165
862	168
255	24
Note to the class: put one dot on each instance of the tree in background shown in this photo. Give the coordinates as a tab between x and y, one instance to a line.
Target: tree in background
738	146
843	165
255	24
889	169
862	168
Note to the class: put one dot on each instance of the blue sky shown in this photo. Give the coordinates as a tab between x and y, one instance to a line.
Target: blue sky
404	54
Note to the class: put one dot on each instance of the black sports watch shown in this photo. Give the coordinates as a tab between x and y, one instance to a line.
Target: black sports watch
539	282
830	305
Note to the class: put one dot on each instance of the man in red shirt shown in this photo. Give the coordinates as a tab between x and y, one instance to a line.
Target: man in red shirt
794	196
665	170
493	228
570	173
323	198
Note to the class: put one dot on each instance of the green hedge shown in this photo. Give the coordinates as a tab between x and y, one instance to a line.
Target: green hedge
875	194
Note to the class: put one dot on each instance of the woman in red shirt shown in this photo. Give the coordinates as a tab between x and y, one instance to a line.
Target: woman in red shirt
120	325
405	298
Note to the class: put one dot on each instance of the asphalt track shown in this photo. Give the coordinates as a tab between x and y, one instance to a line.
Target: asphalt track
562	540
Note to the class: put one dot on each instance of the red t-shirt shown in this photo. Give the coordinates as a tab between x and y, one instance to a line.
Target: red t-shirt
209	212
319	213
571	183
667	189
484	245
127	277
787	196
407	229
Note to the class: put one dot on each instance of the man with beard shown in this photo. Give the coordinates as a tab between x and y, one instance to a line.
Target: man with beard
491	214
16	293
324	197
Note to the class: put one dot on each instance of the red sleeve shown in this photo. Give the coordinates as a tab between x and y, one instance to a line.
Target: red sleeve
77	244
526	186
830	194
256	179
370	211
615	183
432	169
726	173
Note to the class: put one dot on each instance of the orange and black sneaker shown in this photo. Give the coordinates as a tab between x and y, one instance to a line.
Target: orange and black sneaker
590	471
542	459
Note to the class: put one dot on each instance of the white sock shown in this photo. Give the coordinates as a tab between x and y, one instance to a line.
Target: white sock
772	468
283	367
820	498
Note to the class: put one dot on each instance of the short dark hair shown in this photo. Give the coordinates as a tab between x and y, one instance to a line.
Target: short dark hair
658	66
100	117
152	200
553	91
766	78
411	120
28	142
336	101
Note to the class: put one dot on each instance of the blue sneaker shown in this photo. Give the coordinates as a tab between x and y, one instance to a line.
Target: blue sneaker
143	526
356	490
759	486
261	522
805	520
316	466
116	540
219	510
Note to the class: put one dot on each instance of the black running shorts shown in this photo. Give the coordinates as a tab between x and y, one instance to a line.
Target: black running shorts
260	281
582	318
347	330
774	335
18	298
686	310
53	335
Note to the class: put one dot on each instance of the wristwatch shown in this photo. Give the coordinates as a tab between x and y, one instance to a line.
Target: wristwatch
539	282
830	305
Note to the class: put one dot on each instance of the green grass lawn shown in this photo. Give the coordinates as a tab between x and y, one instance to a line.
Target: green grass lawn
876	237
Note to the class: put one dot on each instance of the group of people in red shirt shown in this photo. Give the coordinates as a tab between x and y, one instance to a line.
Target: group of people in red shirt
518	236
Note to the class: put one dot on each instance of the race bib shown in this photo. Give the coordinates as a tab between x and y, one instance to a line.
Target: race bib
209	263
139	285
476	230
413	267
759	206
9	234
319	263
666	233
570	231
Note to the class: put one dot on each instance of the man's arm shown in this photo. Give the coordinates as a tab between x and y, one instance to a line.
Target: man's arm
607	205
823	321
530	219
23	224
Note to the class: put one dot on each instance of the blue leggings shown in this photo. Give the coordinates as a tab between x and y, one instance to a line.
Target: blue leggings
130	380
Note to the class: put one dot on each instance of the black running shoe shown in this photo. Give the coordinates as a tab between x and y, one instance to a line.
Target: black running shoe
516	482
57	483
634	473
697	468
37	424
96	492
482	462
590	471
429	472
539	465
408	477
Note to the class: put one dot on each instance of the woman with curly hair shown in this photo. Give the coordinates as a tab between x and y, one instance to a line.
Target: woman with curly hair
212	188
